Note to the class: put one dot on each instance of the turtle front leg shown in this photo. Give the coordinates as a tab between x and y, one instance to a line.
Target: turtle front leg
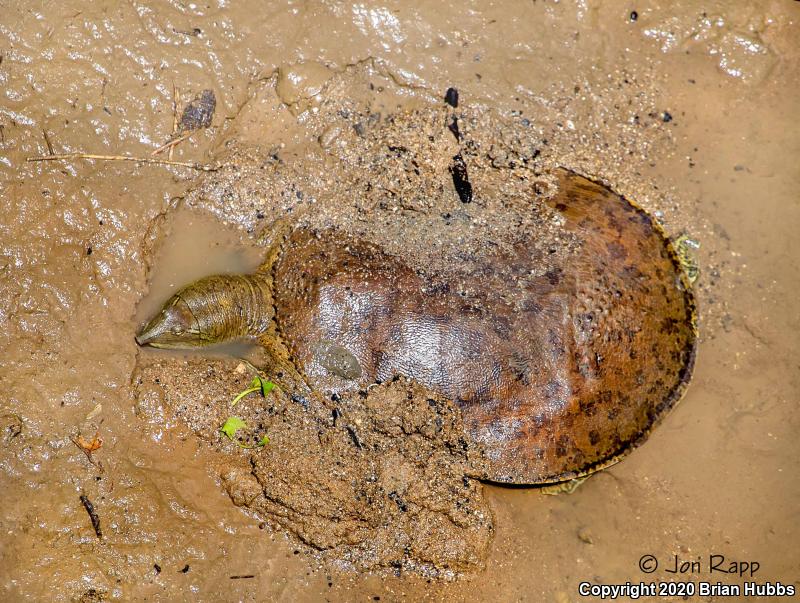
271	361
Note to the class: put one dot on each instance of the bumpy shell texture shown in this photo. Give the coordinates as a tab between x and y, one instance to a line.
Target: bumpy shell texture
562	382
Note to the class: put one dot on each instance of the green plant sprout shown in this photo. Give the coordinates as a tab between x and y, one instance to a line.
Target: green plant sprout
234	424
256	384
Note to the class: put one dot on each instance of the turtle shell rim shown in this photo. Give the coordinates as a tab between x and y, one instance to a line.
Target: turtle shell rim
676	394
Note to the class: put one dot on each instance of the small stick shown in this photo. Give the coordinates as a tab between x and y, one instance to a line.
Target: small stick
171	144
87	504
353	436
68	156
174	117
242	577
47	140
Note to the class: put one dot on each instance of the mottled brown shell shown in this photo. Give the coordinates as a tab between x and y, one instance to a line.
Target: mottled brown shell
555	387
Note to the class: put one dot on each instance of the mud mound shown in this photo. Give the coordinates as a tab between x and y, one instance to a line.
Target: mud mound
393	180
377	480
461	196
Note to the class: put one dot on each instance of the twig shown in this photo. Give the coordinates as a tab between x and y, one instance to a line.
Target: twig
171	144
47	140
68	156
242	577
87	504
174	118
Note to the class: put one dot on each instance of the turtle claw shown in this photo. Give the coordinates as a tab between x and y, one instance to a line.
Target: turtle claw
273	367
685	248
567	487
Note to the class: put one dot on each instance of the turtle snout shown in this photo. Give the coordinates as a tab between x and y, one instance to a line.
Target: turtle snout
173	327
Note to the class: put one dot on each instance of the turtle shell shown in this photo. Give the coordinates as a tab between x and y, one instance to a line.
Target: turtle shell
562	382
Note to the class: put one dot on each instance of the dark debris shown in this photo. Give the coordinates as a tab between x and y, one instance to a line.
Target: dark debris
87	504
199	112
458	170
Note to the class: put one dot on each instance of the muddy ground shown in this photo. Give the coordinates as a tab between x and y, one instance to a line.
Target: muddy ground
689	108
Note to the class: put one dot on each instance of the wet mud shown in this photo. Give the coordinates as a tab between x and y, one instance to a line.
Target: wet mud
688	109
378	482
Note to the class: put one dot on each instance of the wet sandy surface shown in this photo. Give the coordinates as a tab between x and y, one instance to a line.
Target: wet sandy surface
378	485
690	109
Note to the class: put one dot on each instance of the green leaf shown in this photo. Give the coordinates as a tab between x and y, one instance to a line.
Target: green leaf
256	384
234	424
266	386
231	426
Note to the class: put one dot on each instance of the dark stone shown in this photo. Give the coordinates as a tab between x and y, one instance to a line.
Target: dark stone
451	97
458	170
199	113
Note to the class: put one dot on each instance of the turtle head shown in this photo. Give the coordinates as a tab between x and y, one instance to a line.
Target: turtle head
193	317
175	326
212	310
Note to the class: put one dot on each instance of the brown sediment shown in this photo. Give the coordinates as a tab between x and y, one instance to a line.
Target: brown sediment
374	481
589	85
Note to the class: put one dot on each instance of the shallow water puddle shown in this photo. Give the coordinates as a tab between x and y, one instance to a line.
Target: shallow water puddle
193	244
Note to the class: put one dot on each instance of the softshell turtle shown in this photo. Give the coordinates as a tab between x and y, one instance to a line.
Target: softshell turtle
557	387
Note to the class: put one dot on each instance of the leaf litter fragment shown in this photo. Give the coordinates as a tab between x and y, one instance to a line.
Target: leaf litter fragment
233	424
256	384
89	446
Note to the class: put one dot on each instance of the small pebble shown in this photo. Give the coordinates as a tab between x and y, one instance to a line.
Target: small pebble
451	97
199	112
584	535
